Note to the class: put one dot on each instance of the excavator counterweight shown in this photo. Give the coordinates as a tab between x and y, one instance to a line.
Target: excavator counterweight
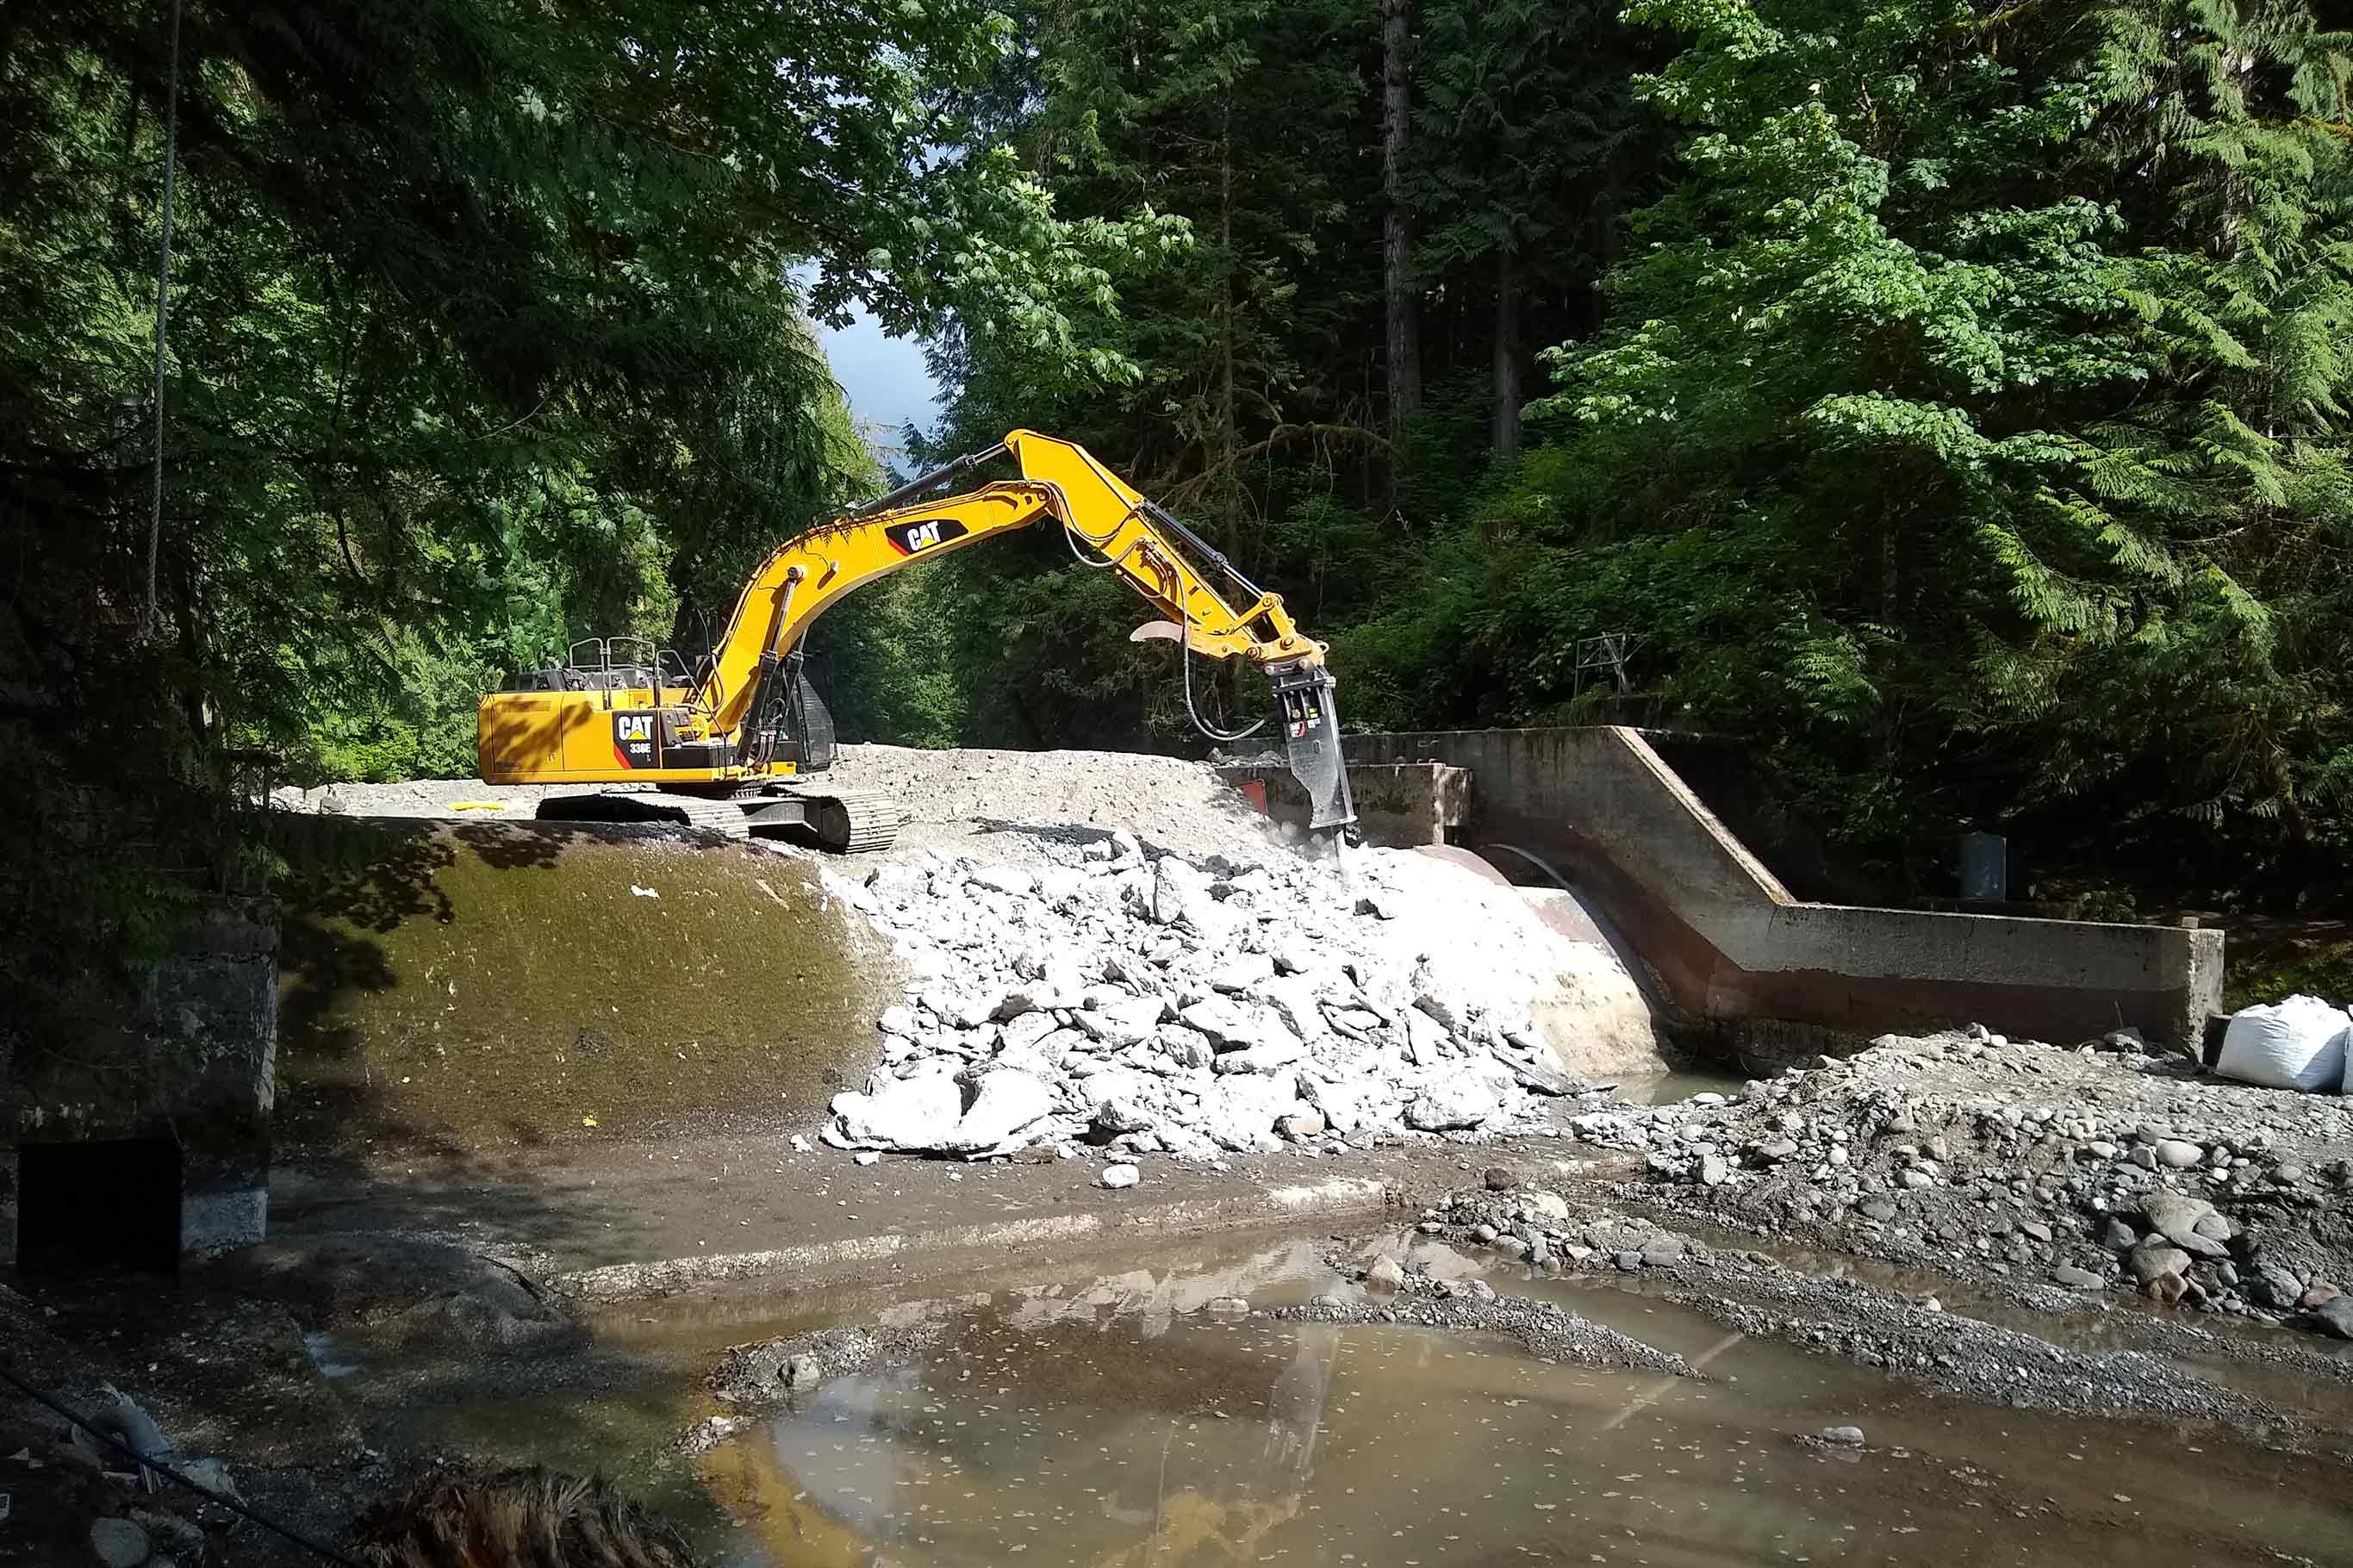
732	744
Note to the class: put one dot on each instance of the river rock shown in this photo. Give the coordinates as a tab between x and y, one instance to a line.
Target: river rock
2176	1154
1841	1436
1117	1177
2274	1287
2334	1316
1385	1274
118	1542
2077	1279
2153	1260
2176	1217
904	1113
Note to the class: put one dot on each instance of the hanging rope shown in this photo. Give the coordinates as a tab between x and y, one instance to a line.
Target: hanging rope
150	619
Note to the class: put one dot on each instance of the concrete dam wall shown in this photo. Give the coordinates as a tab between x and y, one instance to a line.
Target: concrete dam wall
1728	945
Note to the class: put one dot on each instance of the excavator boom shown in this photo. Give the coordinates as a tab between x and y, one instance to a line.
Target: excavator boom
735	724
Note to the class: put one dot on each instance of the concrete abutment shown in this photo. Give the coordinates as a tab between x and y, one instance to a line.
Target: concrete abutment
1729	948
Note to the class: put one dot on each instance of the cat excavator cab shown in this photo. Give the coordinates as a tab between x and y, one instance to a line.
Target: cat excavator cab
737	741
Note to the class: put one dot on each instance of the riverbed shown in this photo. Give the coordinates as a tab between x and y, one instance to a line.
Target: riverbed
1143	1408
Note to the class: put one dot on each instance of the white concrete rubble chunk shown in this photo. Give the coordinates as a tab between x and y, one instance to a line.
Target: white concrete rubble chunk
1240	972
1185	1044
1177	889
1026	1030
1229	1025
1270	1058
1058	887
1341	1101
1240	1112
907	1113
1543	1204
1294	1001
1009	1101
1010	880
1452	1100
1425	1037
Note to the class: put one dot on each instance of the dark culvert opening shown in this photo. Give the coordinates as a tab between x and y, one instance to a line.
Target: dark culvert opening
106	1204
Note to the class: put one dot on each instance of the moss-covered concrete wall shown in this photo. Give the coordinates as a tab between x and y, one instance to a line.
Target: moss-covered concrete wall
472	986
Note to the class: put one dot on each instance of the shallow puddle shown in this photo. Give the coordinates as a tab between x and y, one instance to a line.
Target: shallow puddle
1054	1430
1099	1413
1673	1088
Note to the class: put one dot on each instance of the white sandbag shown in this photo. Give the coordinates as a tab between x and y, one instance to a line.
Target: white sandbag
2295	1043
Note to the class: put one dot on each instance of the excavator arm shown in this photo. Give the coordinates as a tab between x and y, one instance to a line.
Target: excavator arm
719	731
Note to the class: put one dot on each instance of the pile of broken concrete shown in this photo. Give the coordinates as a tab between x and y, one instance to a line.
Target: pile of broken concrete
1154	1004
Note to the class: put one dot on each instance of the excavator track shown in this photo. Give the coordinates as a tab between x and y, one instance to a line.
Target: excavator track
852	821
842	821
721	815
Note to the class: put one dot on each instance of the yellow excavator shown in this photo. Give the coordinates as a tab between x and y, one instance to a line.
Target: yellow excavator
730	743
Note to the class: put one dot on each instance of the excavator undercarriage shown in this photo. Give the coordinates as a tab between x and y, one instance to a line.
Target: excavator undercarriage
841	821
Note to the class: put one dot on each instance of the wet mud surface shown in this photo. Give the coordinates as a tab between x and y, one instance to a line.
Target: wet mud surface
1255	1399
1063	1429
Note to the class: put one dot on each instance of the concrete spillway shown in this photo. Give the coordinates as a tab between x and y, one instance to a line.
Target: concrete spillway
1727	946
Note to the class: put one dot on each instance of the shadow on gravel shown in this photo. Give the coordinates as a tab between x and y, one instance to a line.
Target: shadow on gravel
1074	837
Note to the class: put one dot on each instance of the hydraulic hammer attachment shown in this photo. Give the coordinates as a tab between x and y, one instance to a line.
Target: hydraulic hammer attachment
1310	740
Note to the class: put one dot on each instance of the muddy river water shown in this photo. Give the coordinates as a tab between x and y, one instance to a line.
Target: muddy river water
1104	1412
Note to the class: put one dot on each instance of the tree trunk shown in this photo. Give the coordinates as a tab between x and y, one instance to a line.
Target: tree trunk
1397	238
1228	439
1506	426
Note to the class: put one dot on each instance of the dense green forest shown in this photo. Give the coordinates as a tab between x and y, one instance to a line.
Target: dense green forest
1946	398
